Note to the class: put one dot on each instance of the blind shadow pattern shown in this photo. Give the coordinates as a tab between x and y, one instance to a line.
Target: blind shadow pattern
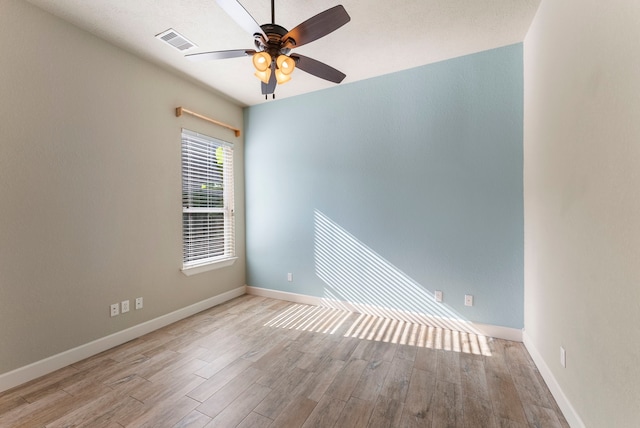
327	320
354	273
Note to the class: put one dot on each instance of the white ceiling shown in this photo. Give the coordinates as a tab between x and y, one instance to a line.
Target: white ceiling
382	36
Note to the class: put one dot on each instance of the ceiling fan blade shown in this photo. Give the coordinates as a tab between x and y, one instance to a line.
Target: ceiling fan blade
269	88
207	56
317	26
242	17
318	69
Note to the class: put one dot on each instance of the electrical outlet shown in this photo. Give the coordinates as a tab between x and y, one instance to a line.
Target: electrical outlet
563	357
115	309
468	300
124	306
139	303
438	296
290	277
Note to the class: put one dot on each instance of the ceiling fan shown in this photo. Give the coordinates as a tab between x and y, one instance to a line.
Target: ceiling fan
273	43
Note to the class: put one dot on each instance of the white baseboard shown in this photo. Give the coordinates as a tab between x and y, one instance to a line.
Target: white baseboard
39	368
568	411
488	330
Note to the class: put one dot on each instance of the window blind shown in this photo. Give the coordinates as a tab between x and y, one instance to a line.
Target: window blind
207	199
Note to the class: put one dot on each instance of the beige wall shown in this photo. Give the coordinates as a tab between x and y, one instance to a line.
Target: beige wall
582	203
90	187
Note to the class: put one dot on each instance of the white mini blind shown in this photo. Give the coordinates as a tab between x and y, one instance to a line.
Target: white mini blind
207	200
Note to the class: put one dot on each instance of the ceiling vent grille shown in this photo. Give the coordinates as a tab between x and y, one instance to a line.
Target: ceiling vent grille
176	40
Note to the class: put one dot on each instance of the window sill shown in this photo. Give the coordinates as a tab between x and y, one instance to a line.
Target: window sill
193	270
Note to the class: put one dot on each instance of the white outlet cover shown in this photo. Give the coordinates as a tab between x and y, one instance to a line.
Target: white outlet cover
115	309
139	303
563	357
468	300
124	306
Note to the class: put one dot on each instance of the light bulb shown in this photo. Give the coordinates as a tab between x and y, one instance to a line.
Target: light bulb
261	61
285	64
263	75
281	77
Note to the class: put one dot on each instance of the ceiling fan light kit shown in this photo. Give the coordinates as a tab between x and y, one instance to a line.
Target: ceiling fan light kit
272	59
263	63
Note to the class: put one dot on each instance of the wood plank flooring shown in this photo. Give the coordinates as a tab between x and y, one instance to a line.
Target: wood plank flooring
258	362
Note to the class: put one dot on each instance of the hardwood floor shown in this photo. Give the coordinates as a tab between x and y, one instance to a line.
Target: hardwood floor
258	362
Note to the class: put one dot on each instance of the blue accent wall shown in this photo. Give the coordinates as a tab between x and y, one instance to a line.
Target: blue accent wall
384	190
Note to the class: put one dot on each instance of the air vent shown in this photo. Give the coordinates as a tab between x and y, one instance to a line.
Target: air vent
176	40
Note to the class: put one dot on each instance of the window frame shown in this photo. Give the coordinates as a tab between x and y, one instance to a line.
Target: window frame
191	170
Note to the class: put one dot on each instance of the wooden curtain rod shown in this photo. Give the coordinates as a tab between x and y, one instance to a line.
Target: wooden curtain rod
180	110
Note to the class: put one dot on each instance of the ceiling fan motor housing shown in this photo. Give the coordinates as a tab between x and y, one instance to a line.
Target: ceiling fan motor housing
274	45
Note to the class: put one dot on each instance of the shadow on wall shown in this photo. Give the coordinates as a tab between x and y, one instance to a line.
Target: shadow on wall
358	279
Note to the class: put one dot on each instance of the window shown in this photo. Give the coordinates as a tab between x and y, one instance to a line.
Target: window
207	203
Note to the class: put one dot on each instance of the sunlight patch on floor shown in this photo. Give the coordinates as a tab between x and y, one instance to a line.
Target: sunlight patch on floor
318	319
